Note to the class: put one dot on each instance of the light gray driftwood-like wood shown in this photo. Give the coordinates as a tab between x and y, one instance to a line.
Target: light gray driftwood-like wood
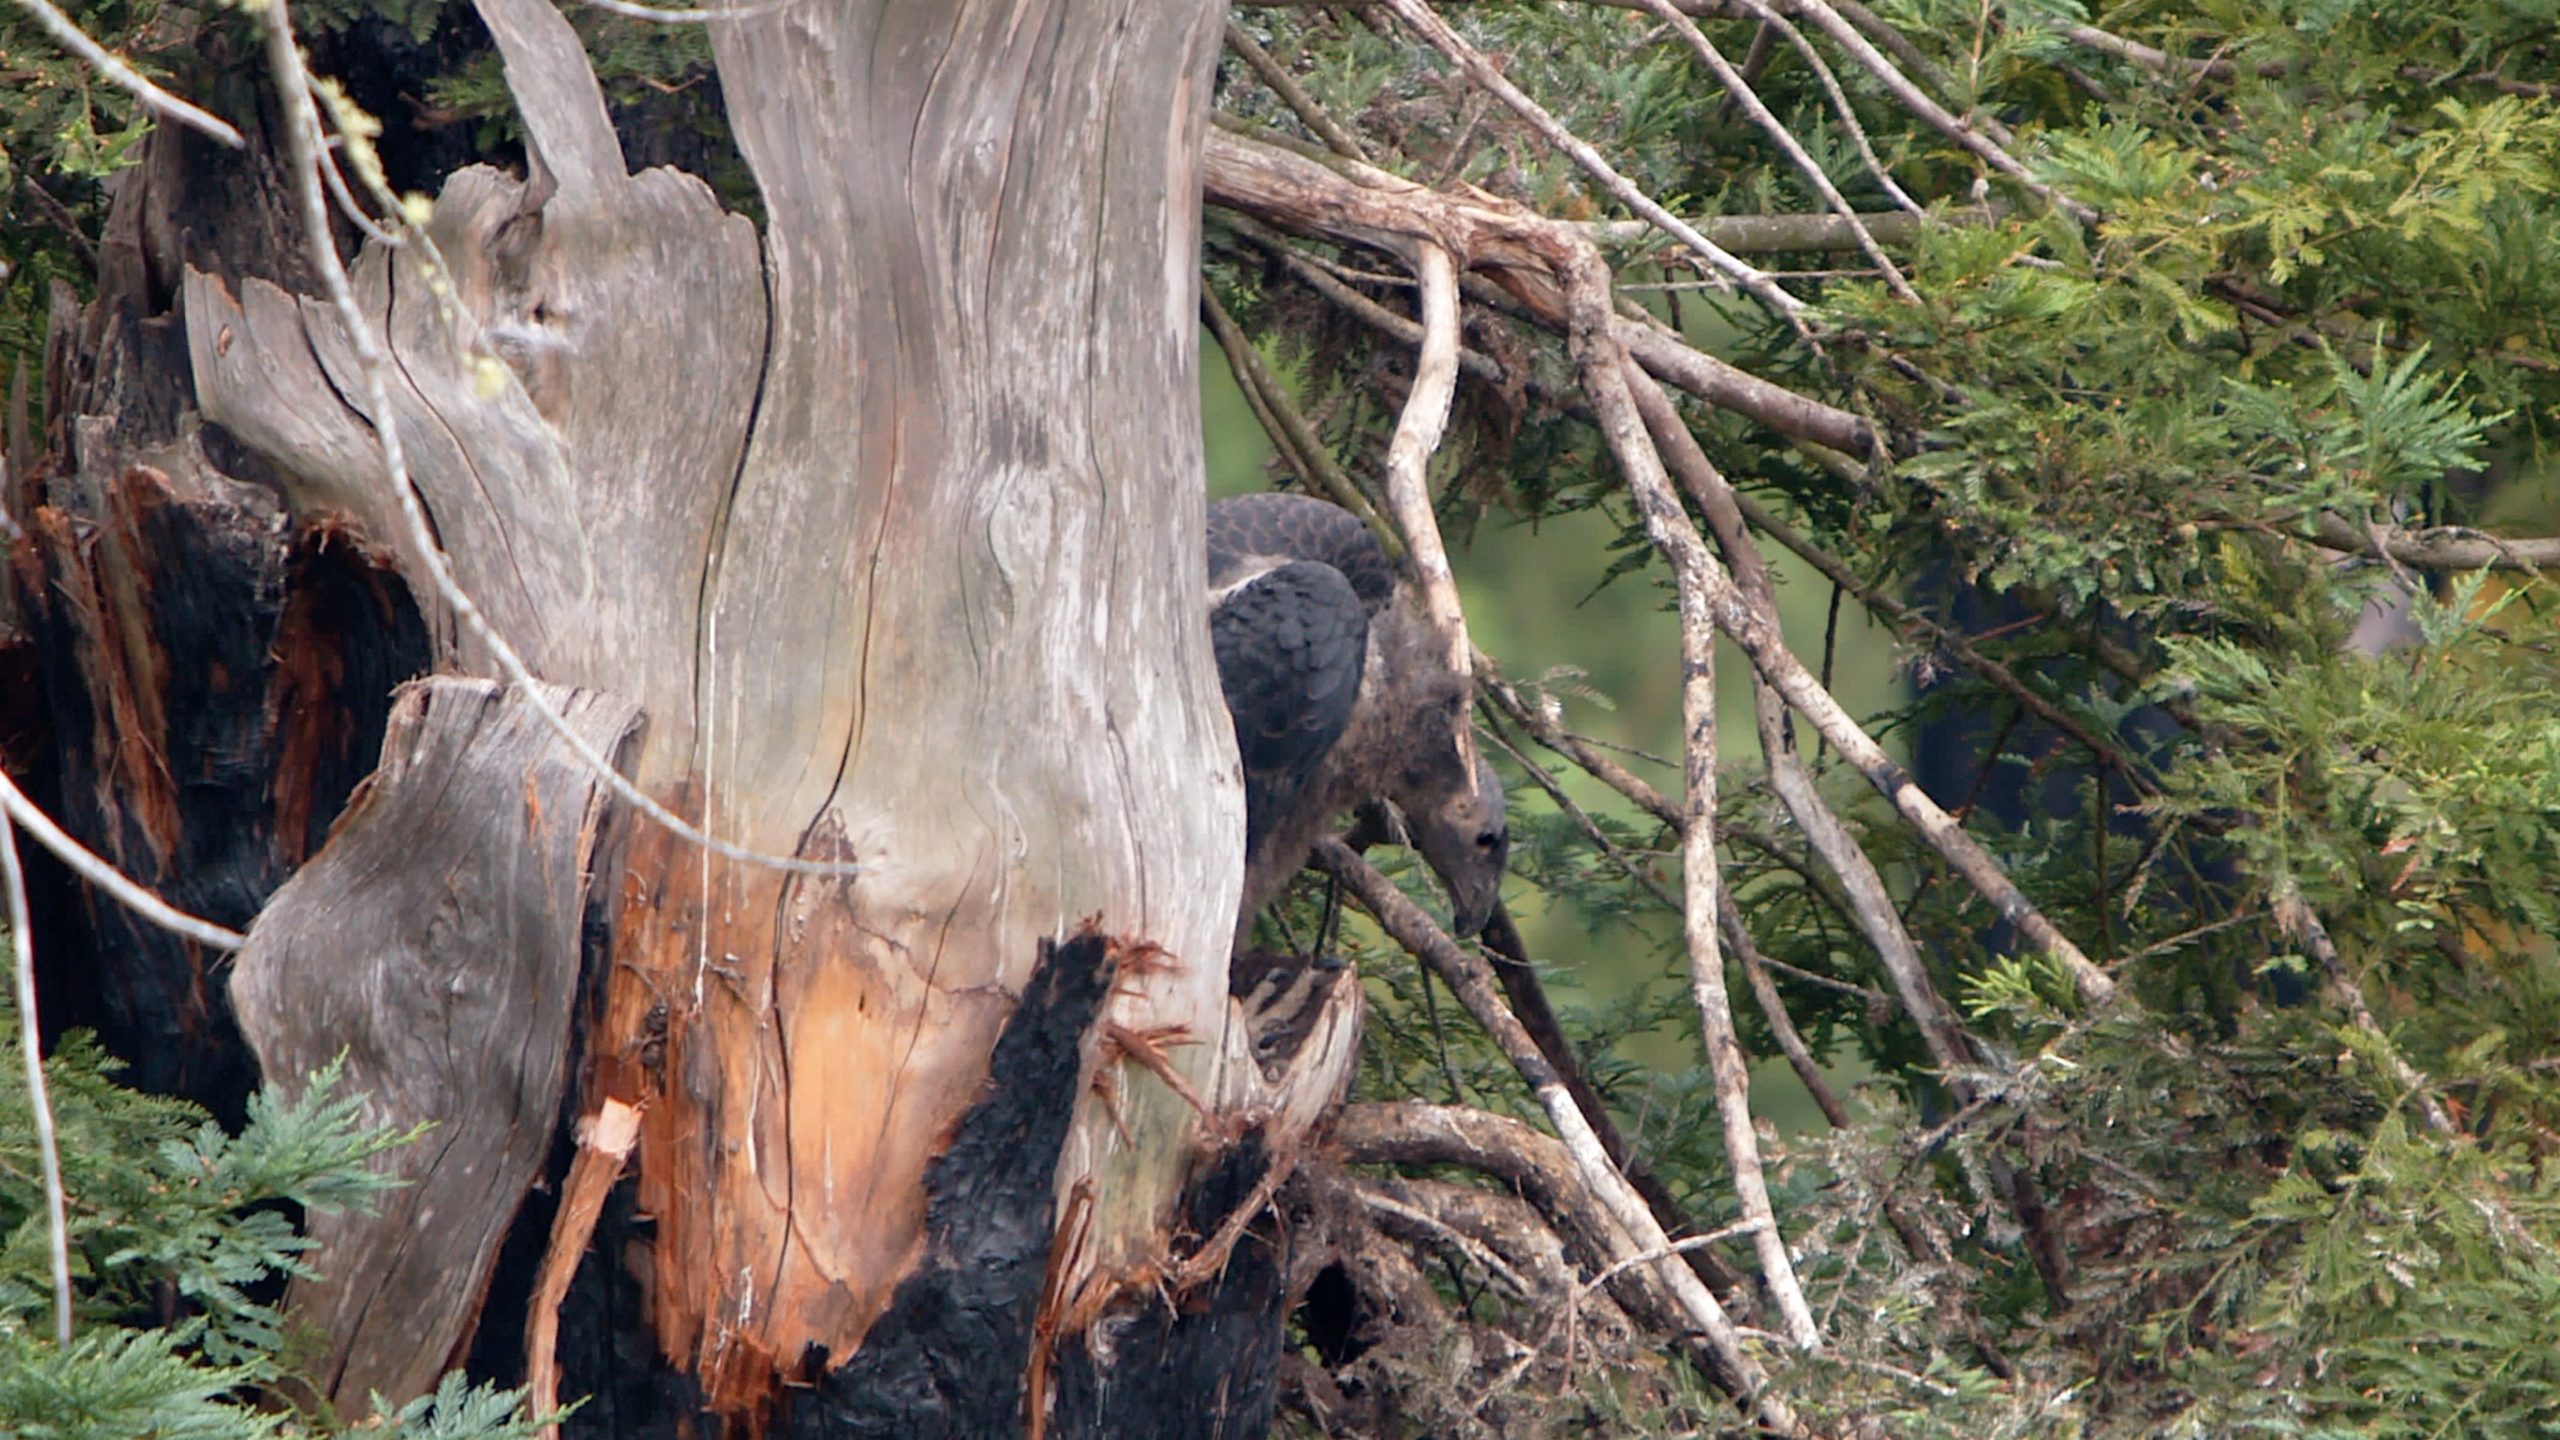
434	940
893	530
972	508
579	503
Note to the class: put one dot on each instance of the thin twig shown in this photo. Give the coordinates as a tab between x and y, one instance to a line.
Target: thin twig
1773	1009
31	1047
1740	90
2294	914
302	142
1920	629
1843	113
1917	101
160	102
1296	440
15	805
1420	18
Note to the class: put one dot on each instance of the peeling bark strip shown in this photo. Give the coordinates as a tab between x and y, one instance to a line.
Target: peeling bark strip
435	940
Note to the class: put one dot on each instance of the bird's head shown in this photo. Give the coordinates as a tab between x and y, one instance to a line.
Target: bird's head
1464	836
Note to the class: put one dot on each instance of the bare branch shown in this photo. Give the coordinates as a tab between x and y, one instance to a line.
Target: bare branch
1421	1226
1667	525
1845	114
15	806
1292	94
22	954
1349	201
2451	547
1526	1161
1473	982
1423	22
1917	101
2294	915
154	99
302	141
1409	450
1920	629
1773	1009
1607	382
1291	435
1740	90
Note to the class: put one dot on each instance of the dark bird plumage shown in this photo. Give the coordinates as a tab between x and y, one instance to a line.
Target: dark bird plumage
1338	698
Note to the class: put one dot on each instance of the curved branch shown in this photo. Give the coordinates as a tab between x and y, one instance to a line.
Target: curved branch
1473	982
1417	435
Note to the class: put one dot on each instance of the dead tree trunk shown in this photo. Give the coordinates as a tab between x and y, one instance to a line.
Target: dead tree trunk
880	536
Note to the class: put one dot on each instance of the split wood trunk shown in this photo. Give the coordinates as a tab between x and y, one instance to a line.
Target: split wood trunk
874	537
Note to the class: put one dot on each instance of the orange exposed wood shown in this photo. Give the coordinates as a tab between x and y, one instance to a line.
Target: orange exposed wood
604	1143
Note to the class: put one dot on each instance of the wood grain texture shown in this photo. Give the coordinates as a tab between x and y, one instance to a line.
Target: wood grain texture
971	510
435	941
892	528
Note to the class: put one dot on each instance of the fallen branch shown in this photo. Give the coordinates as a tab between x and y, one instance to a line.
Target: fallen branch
605	1140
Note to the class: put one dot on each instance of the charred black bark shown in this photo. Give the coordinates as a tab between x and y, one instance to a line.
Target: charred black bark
1206	1368
214	677
947	1360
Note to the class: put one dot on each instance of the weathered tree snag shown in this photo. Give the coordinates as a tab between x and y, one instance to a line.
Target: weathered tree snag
896	547
434	942
887	524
